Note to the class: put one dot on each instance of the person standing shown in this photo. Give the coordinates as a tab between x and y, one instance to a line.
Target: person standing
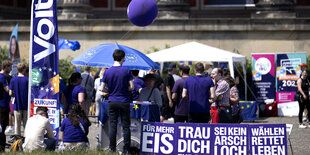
167	112
37	128
88	84
222	95
150	92
200	91
138	83
75	92
303	67
234	99
303	99
19	90
181	106
99	93
159	82
208	69
6	68
120	82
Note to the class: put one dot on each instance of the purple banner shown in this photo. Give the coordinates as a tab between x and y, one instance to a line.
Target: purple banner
193	139
158	138
214	139
44	77
268	139
230	139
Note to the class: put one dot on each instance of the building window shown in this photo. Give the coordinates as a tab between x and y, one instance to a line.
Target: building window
7	2
228	2
303	2
99	3
122	3
22	3
193	3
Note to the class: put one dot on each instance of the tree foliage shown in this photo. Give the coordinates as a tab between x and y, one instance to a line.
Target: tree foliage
66	68
4	53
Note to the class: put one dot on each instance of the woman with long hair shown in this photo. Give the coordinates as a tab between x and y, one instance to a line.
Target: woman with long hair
99	93
14	55
74	129
75	92
234	99
303	97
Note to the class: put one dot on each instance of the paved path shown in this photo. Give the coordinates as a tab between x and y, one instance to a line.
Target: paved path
300	138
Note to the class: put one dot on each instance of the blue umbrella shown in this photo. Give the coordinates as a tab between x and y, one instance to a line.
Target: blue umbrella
102	56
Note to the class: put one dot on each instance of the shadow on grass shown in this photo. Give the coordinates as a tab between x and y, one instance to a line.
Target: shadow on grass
76	152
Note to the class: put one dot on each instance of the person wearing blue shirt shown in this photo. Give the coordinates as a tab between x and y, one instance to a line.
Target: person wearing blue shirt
200	92
19	89
120	82
6	68
75	128
138	84
75	93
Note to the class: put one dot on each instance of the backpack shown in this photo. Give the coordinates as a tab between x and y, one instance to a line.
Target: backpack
17	145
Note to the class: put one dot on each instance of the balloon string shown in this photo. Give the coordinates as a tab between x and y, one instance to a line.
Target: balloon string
126	34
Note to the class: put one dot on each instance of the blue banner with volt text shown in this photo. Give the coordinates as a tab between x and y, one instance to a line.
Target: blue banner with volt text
44	75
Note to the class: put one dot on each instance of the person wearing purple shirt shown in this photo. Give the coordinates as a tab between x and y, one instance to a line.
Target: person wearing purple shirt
181	107
120	82
199	89
75	128
138	84
19	89
75	92
4	103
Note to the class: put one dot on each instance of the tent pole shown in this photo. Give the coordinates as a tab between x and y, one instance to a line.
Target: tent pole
161	68
231	68
245	82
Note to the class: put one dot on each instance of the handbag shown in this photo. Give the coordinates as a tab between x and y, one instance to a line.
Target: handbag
296	96
148	98
225	115
87	145
86	95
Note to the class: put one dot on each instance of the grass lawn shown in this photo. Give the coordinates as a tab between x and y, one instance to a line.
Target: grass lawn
79	152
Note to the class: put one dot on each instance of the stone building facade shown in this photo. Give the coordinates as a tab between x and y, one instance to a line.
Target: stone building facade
247	26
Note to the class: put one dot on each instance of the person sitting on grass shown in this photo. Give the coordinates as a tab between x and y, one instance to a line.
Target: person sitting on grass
74	129
35	130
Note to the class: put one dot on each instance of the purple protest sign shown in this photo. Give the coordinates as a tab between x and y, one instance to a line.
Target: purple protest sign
157	138
230	139
268	139
193	138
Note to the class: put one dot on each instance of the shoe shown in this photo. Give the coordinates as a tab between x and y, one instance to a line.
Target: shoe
305	119
302	126
9	129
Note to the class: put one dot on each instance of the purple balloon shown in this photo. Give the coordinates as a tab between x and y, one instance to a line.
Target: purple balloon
142	12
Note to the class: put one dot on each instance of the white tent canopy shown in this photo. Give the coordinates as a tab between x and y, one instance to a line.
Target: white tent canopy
194	51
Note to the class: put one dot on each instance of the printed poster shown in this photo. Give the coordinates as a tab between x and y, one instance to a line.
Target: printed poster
263	76
288	72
